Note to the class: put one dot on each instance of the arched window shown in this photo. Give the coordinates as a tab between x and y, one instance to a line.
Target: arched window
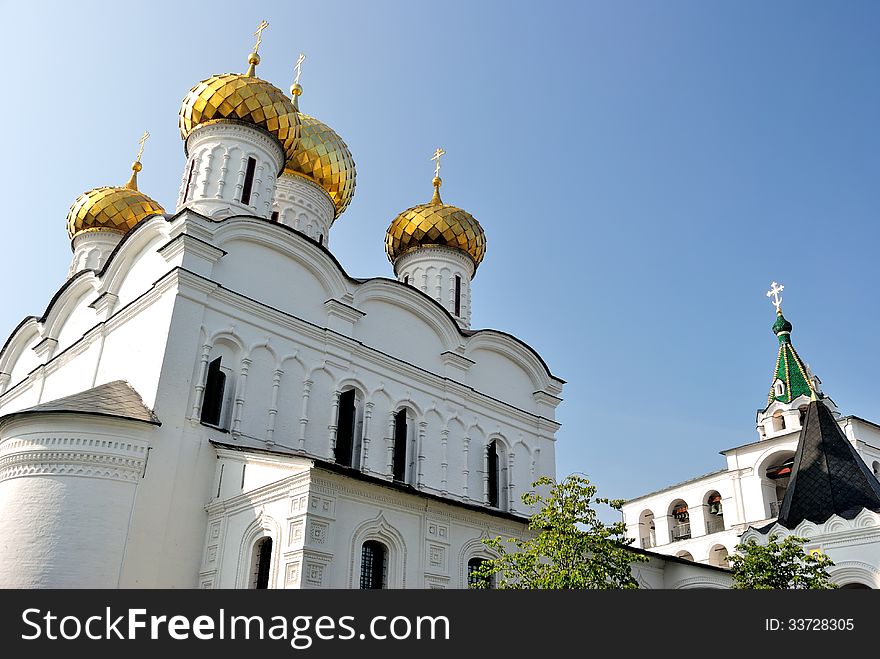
475	580
374	565
347	422
778	421
802	413
493	475
457	295
714	513
261	564
685	555
248	181
400	441
647	530
779	388
778	475
215	388
718	556
679	521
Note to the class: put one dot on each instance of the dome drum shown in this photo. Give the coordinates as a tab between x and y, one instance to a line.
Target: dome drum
231	169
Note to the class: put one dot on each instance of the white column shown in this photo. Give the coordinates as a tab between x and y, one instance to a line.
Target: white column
200	382
389	448
368	414
334	412
444	458
240	393
304	415
423	425
466	471
273	406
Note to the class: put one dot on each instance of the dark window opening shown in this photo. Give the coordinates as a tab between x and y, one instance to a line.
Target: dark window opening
345	428
215	385
492	453
474	580
406	279
248	181
399	456
457	295
321	239
264	562
189	179
374	565
274	216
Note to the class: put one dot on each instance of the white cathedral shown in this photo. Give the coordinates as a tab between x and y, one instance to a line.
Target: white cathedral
210	401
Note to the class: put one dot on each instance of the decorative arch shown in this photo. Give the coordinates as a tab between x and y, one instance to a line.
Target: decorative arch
511	348
263	526
381	530
773	488
718	555
288	242
470	549
647	529
62	307
855	572
133	244
678	516
412	300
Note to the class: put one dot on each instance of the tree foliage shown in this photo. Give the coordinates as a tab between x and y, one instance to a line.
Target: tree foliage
779	566
570	547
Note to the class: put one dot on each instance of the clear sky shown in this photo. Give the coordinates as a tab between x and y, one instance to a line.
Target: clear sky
643	170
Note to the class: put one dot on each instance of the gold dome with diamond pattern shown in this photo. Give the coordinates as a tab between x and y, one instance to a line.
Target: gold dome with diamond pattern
435	224
116	209
233	97
322	157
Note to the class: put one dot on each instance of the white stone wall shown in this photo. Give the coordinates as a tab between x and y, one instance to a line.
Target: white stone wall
433	270
214	175
67	487
305	206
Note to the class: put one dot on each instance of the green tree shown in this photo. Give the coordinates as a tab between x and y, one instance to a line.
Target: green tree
570	548
779	566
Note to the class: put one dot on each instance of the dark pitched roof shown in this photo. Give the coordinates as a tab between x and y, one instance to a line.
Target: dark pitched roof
114	399
828	476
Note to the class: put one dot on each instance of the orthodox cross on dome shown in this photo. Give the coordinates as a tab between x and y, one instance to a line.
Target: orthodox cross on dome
774	292
142	141
298	67
259	34
439	153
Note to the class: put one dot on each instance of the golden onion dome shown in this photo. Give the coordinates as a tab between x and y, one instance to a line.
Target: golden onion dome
322	157
244	98
116	209
435	224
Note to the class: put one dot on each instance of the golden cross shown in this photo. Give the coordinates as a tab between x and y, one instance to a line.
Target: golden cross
298	67
437	155
774	292
141	141
259	34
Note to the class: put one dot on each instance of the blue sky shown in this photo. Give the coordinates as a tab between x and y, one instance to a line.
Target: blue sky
643	170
